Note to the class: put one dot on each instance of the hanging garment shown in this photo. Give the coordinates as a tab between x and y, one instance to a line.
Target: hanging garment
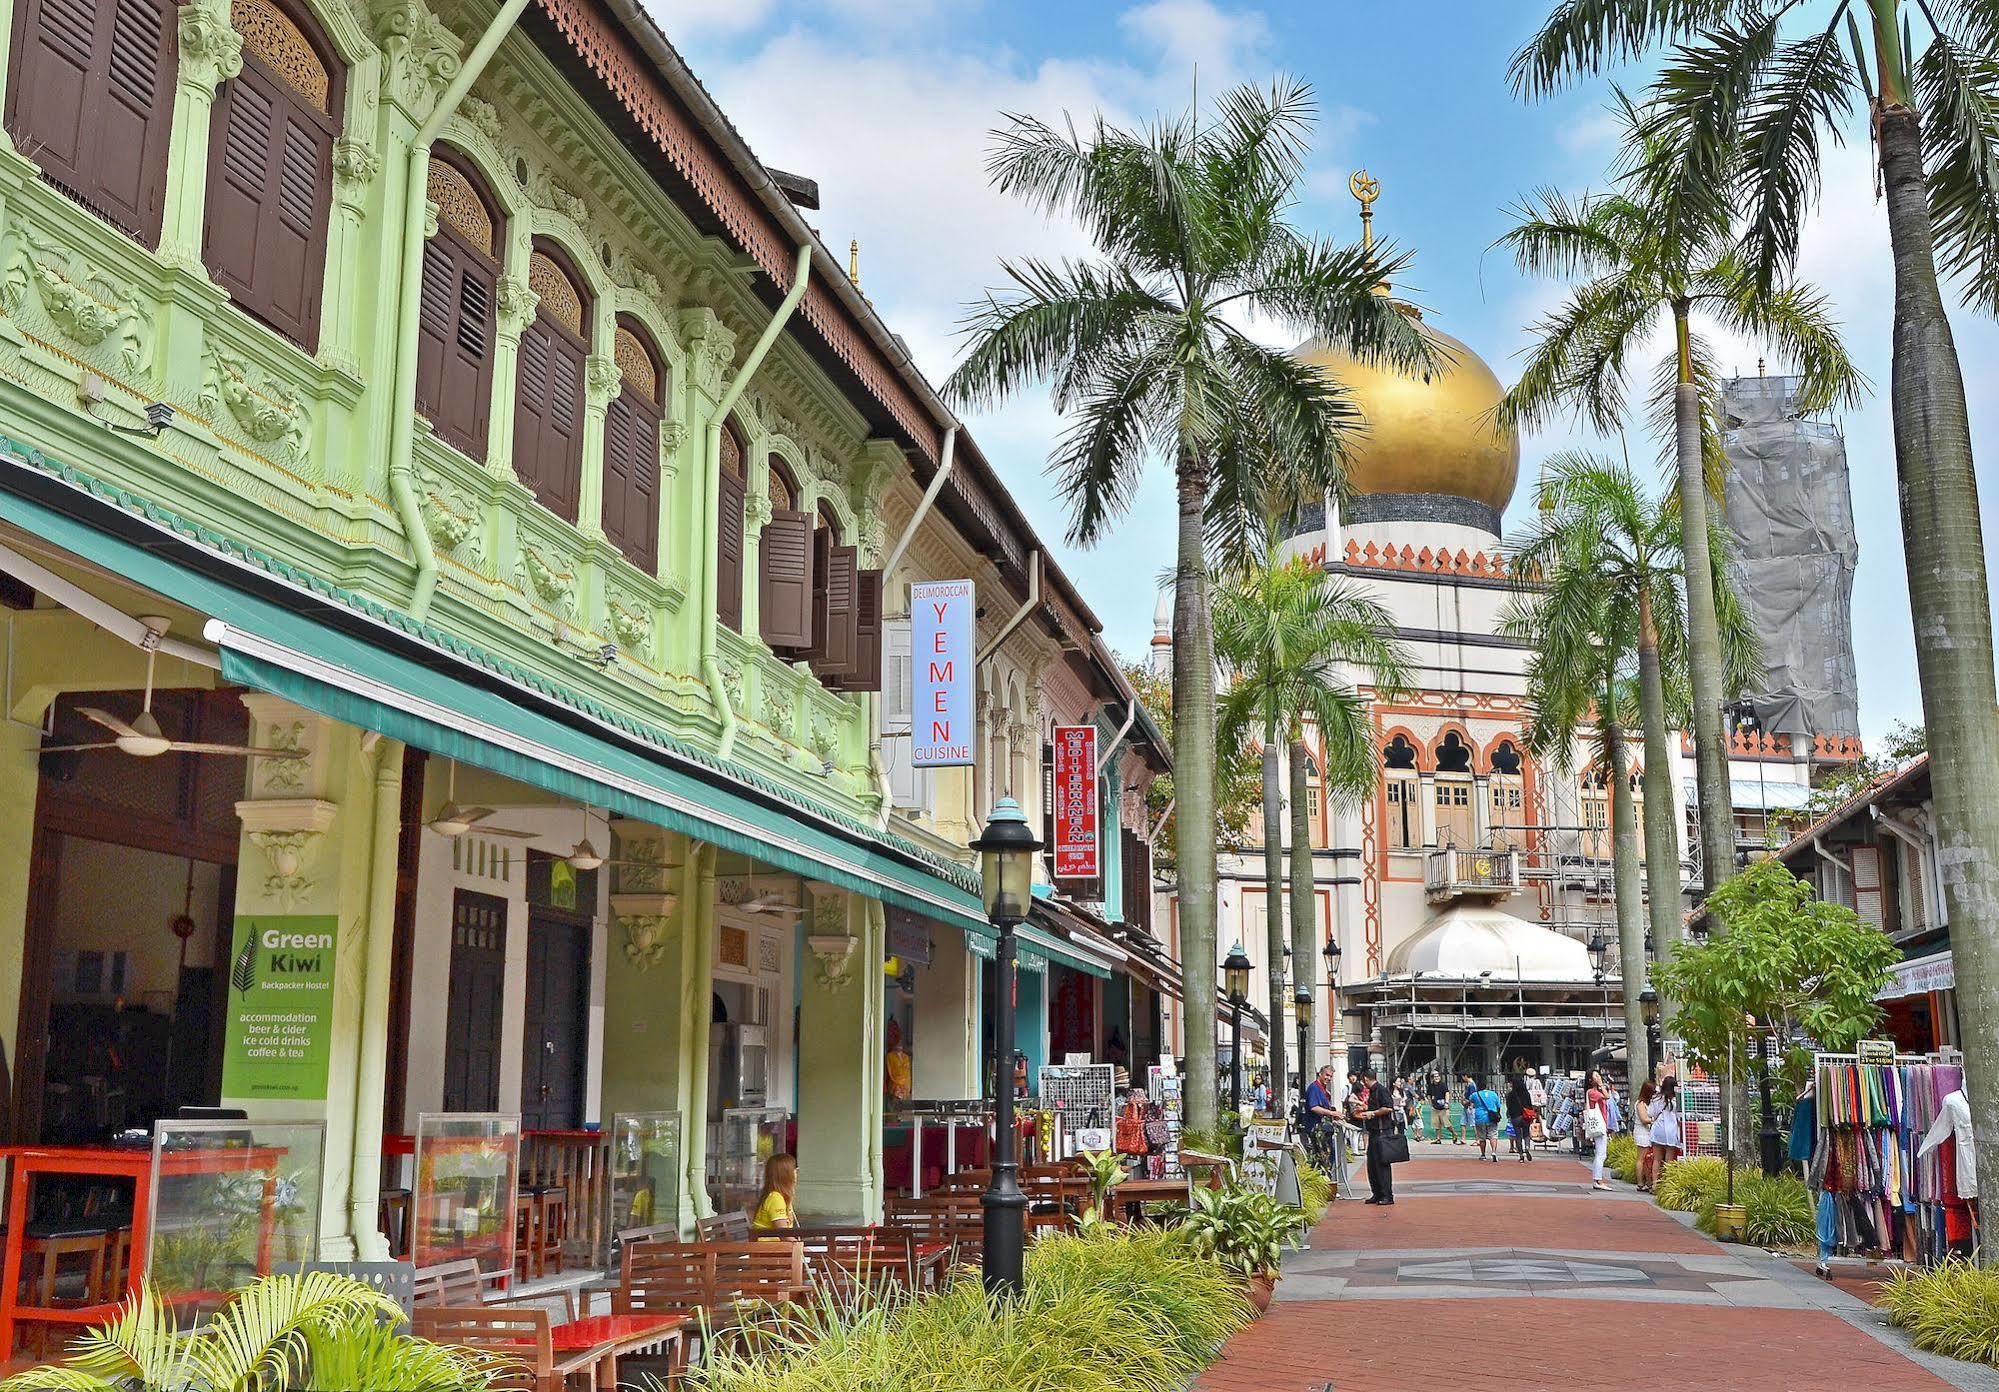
1954	1123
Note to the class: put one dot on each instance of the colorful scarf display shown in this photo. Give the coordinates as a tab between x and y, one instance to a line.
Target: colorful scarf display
1871	1119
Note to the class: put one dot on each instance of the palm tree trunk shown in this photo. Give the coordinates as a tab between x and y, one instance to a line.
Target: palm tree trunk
1662	842
1717	802
1194	786
1945	555
1630	911
1273	902
1305	956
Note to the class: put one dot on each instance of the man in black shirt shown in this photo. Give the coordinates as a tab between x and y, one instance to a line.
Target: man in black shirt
1377	1114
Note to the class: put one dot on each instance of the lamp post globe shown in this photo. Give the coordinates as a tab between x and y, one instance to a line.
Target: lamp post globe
1006	850
1235	976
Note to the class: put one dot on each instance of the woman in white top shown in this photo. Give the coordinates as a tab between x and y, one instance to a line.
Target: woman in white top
1666	1140
1641	1132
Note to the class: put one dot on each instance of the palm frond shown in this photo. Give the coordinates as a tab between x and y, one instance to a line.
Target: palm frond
1556	236
1583	37
1795	319
1058	316
1958	88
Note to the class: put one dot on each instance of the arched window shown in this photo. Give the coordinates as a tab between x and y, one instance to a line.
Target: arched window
1457	820
631	449
1453	754
90	97
461	273
270	169
1506	813
548	402
1405	816
731	491
1596	814
785	571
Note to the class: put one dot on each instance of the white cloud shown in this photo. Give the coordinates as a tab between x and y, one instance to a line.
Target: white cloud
683	19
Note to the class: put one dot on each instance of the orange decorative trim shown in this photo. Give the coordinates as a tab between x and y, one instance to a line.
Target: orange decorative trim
1480	565
1370	886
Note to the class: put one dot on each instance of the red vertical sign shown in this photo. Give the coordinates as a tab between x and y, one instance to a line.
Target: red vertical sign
1076	852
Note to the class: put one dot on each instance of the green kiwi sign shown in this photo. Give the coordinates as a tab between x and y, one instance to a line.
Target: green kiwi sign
280	986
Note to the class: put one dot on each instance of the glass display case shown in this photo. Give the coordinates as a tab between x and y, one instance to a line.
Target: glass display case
644	1174
468	1169
737	1149
230	1201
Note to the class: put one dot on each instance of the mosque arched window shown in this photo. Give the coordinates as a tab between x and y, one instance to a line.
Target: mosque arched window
1404	820
1595	814
1457	819
1506	812
1453	754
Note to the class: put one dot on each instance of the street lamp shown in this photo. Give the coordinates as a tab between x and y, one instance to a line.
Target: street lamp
1006	878
1235	974
1331	952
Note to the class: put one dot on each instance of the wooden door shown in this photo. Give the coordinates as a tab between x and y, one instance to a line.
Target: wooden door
554	1036
475	1002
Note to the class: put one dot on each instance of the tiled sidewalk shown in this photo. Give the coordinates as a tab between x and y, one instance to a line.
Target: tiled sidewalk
1549	1285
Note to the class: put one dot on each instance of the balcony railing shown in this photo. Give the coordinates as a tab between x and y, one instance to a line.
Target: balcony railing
1451	874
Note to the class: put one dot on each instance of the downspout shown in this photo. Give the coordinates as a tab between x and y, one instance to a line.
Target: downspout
711	668
371	1081
402	427
1130	719
1020	614
882	788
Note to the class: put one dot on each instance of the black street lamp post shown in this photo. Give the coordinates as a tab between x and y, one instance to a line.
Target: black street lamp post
1006	870
1235	972
1769	1140
1331	952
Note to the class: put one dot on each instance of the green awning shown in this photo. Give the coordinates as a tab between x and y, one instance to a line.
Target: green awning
301	643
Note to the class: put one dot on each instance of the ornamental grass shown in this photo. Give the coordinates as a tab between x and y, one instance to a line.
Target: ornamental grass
1108	1311
1315	1192
1778	1209
1951	1309
1620	1157
1689	1185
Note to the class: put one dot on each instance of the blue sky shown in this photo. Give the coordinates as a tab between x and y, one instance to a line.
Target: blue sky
888	104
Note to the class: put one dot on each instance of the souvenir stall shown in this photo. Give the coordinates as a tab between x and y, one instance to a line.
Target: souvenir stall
1872	1110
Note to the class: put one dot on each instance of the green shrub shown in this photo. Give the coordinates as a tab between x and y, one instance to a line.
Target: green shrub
1315	1191
1952	1309
1112	1311
1779	1210
1621	1158
1244	1229
1686	1186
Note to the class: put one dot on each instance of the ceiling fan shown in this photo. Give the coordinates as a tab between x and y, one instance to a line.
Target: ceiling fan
142	737
453	821
585	856
768	902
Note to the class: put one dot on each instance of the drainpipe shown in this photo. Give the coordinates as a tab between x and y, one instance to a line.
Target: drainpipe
1020	614
929	497
402	428
711	669
371	1082
1130	718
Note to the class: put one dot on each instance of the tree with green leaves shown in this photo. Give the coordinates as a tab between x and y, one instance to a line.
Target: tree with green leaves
1776	957
1143	346
1600	549
1751	90
1293	640
1238	780
1638	258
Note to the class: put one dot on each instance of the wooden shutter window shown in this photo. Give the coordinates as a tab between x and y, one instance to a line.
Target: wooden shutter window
785	580
548	402
270	173
90	99
835	639
729	499
454	361
631	454
866	674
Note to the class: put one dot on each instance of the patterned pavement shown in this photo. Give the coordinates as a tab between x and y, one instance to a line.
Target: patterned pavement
1470	1257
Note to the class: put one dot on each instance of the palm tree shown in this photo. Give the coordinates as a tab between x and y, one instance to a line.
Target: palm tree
1777	79
1143	347
1291	638
1641	257
1583	638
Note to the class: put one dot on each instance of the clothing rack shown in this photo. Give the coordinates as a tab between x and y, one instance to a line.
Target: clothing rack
1871	1109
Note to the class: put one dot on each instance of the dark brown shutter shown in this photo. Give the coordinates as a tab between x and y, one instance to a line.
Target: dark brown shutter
837	641
91	98
729	497
454	362
867	672
548	415
631	479
270	189
785	579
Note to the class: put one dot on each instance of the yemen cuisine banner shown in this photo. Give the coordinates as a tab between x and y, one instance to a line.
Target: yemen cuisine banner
1076	855
942	615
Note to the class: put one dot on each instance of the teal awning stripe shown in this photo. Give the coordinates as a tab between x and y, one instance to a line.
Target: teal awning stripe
344	677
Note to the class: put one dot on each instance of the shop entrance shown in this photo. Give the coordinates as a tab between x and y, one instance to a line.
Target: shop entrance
132	889
553	1035
476	1002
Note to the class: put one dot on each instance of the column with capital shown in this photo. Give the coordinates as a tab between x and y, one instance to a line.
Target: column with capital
841	1023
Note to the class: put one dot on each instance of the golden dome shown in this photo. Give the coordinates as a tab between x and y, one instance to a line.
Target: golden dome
1430	437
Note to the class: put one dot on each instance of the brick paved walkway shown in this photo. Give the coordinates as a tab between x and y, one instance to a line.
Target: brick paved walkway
1474	1257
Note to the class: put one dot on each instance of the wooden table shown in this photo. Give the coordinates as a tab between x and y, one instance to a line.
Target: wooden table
113	1162
878	1258
1129	1197
612	1337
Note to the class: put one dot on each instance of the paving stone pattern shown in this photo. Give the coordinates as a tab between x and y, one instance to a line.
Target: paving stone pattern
1503	1258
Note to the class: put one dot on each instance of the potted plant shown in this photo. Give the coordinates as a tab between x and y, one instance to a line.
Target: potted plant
1106	1170
1246	1231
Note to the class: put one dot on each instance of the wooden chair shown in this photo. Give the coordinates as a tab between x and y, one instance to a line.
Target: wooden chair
462	1284
666	1278
852	1258
523	1336
724	1227
957	1219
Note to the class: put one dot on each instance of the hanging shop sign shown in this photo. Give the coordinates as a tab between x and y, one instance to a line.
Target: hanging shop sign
942	626
280	1007
1076	850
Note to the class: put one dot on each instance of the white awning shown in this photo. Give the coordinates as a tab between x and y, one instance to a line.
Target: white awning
1750	794
1919	976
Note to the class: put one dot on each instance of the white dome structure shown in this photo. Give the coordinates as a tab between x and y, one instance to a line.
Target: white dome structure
1467	940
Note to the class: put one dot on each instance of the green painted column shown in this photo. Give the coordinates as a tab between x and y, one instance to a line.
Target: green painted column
840	1060
20	782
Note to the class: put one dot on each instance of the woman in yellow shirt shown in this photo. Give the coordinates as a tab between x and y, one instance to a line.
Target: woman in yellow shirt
774	1209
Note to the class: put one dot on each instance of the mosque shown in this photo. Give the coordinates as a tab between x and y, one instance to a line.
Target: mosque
1471	896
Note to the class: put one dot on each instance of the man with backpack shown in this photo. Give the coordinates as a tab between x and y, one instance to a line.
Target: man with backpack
1483	1108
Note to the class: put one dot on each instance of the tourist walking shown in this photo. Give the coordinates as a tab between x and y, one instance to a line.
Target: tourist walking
1520	1116
1440	1110
1667	1133
1596	1124
1383	1120
1483	1106
1641	1132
